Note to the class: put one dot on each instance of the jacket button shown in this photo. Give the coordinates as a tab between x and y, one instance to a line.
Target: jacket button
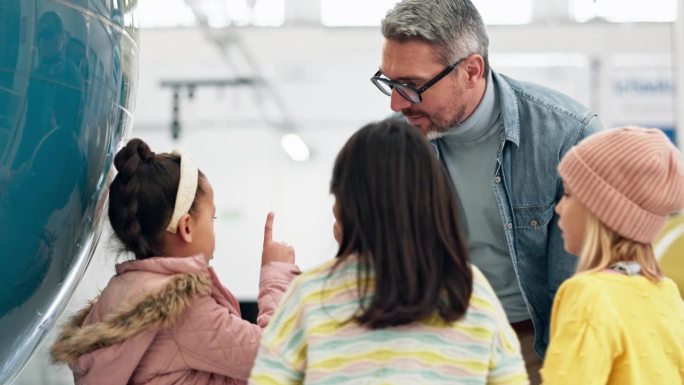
509	225
534	223
497	179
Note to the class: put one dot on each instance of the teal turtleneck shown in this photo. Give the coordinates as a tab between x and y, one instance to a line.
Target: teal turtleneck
469	152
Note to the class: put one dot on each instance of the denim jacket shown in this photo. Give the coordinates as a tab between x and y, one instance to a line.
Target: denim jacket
540	126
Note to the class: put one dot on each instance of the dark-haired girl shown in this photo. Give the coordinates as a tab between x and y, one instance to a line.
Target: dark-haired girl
400	304
165	318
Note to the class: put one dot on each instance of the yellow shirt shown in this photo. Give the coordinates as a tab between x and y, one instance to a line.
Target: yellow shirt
609	328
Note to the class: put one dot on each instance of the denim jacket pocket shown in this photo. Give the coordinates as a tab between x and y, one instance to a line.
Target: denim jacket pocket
531	229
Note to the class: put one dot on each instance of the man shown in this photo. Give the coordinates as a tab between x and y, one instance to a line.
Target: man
501	141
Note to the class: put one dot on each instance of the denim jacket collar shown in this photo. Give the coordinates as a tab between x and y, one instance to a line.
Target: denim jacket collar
509	109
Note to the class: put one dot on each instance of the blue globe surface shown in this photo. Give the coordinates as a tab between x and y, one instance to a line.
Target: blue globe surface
67	82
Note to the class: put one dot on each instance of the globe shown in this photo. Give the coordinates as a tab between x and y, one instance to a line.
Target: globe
68	72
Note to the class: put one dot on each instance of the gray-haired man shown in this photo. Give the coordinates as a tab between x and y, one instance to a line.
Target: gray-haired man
501	141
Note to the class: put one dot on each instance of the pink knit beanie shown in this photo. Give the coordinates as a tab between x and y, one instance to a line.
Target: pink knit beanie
630	178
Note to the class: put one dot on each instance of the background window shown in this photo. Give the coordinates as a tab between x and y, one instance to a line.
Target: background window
218	13
625	10
347	13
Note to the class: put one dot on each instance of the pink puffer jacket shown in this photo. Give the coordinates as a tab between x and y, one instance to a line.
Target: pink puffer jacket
168	320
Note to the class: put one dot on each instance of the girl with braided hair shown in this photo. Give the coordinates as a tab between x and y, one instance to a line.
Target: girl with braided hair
165	318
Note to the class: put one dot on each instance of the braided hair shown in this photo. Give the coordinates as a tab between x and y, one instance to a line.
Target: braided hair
142	197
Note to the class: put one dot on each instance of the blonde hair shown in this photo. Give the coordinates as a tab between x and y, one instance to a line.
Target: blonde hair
603	247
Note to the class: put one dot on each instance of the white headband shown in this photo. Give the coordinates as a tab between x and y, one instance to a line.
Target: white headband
187	189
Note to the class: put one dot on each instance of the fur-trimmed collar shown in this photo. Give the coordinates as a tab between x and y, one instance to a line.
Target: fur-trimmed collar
156	311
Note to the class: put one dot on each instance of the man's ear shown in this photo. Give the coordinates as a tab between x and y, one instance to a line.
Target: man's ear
184	230
474	66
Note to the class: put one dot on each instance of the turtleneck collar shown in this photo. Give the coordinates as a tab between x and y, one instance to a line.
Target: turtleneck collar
481	122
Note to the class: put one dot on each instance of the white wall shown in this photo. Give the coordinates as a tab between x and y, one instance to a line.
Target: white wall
322	73
322	76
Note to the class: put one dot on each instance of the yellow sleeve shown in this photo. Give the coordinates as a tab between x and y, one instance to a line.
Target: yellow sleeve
584	336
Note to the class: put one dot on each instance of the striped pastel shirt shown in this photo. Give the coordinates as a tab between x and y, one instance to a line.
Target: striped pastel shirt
309	342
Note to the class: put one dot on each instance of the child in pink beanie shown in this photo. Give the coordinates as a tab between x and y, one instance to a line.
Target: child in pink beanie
618	321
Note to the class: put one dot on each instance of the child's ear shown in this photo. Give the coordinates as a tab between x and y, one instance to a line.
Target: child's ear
185	228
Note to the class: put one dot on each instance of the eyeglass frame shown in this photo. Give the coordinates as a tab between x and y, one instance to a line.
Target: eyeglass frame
419	91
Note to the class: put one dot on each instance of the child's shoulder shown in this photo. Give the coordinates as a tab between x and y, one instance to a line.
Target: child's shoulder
587	296
587	284
331	274
668	284
333	267
601	287
321	269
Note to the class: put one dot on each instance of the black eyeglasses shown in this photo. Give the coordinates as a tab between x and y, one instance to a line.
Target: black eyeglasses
408	91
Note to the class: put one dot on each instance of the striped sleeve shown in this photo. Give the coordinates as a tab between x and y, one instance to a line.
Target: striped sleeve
282	353
506	364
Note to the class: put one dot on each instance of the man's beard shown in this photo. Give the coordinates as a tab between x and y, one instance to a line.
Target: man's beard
432	134
435	131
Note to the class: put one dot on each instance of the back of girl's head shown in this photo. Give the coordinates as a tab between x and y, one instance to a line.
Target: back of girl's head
142	197
399	215
630	179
